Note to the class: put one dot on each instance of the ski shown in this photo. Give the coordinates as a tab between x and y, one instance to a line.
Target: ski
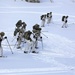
44	31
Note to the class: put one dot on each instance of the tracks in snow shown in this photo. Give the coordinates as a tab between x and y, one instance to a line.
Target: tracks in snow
34	70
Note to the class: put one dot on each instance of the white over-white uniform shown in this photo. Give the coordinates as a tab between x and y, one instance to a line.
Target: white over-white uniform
1	49
43	21
64	23
30	45
20	36
49	19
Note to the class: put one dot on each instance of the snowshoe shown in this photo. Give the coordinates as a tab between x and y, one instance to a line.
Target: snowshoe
0	56
34	52
25	51
18	47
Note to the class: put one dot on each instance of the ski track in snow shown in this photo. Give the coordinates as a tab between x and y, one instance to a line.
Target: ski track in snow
33	12
48	56
34	71
62	49
28	7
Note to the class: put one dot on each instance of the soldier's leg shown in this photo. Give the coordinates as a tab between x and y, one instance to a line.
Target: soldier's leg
19	43
48	20
63	25
1	51
66	25
36	44
43	24
26	50
33	50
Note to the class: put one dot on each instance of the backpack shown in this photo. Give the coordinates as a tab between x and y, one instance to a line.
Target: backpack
16	31
63	18
42	17
19	23
47	14
27	35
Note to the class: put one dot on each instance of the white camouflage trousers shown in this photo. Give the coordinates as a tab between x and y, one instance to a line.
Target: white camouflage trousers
1	51
42	23
64	25
30	46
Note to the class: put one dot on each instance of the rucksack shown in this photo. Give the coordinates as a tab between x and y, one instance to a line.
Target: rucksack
16	31
47	14
42	17
27	35
63	18
19	23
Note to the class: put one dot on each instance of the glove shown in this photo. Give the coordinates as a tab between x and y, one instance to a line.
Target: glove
5	37
41	37
39	29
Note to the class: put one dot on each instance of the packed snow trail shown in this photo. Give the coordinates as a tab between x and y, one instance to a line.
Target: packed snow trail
35	71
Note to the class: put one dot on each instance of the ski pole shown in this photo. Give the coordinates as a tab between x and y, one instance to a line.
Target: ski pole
44	35
42	43
9	46
13	39
15	44
44	31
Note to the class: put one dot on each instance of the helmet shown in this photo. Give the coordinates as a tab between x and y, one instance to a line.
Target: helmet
50	12
2	33
29	32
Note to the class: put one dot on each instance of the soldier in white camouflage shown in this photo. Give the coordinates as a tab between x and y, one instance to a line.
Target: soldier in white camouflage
19	39
18	27
43	19
49	18
37	34
19	32
65	20
2	34
30	44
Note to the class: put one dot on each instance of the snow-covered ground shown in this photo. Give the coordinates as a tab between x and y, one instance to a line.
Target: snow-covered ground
57	57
